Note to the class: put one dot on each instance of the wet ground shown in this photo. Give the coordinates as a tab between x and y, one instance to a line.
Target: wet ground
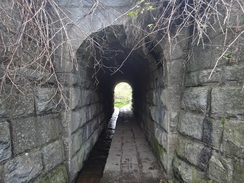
92	171
130	157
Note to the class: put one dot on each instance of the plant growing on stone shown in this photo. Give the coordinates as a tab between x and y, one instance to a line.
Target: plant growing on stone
169	18
34	36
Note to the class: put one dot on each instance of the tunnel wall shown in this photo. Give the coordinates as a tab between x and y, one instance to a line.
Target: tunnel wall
210	143
90	112
157	104
31	142
196	122
40	142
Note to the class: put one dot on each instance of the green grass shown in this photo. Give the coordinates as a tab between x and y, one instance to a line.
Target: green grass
122	94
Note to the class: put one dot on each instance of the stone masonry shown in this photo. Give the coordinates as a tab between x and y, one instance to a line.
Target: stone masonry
194	123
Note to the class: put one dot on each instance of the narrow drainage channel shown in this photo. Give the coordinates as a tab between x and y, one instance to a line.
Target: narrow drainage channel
92	171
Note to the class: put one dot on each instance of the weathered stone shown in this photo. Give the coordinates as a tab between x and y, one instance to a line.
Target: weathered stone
77	118
238	172
5	141
86	95
45	100
233	136
17	104
191	79
74	167
227	101
81	157
182	170
199	154
220	168
113	3
173	118
32	132
171	98
76	141
69	79
175	73
53	155
75	97
234	73
187	173
57	175
204	76
94	124
199	57
157	113
1	174
191	124
212	132
23	168
161	137
195	99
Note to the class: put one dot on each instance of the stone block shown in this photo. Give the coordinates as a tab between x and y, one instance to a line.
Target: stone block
191	124
220	168
233	136
191	79
170	121
227	101
17	104
201	128
78	118
81	157
212	132
238	172
175	73
32	132
95	124
53	155
171	98
23	168
86	97
182	170
194	152
157	113
234	72
1	174
162	137
45	100
74	167
85	133
5	141
204	76
201	58
70	79
195	99
57	175
74	118
75	97
77	140
187	173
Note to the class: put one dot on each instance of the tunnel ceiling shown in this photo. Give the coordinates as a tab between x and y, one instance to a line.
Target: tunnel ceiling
109	52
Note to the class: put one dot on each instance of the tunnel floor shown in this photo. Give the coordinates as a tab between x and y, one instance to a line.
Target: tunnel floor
130	158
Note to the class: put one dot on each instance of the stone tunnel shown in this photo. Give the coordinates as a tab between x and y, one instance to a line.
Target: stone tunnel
180	110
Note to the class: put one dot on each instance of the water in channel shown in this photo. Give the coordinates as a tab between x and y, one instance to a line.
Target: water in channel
92	171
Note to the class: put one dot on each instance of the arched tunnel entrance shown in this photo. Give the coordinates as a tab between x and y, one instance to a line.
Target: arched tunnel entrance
123	95
105	60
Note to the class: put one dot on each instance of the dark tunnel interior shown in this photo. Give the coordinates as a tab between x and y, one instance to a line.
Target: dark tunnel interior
107	61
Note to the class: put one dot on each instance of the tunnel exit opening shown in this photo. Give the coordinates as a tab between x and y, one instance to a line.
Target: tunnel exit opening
123	95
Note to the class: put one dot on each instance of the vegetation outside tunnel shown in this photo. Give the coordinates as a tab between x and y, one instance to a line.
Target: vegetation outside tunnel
122	95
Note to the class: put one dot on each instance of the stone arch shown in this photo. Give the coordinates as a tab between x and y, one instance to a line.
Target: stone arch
150	73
